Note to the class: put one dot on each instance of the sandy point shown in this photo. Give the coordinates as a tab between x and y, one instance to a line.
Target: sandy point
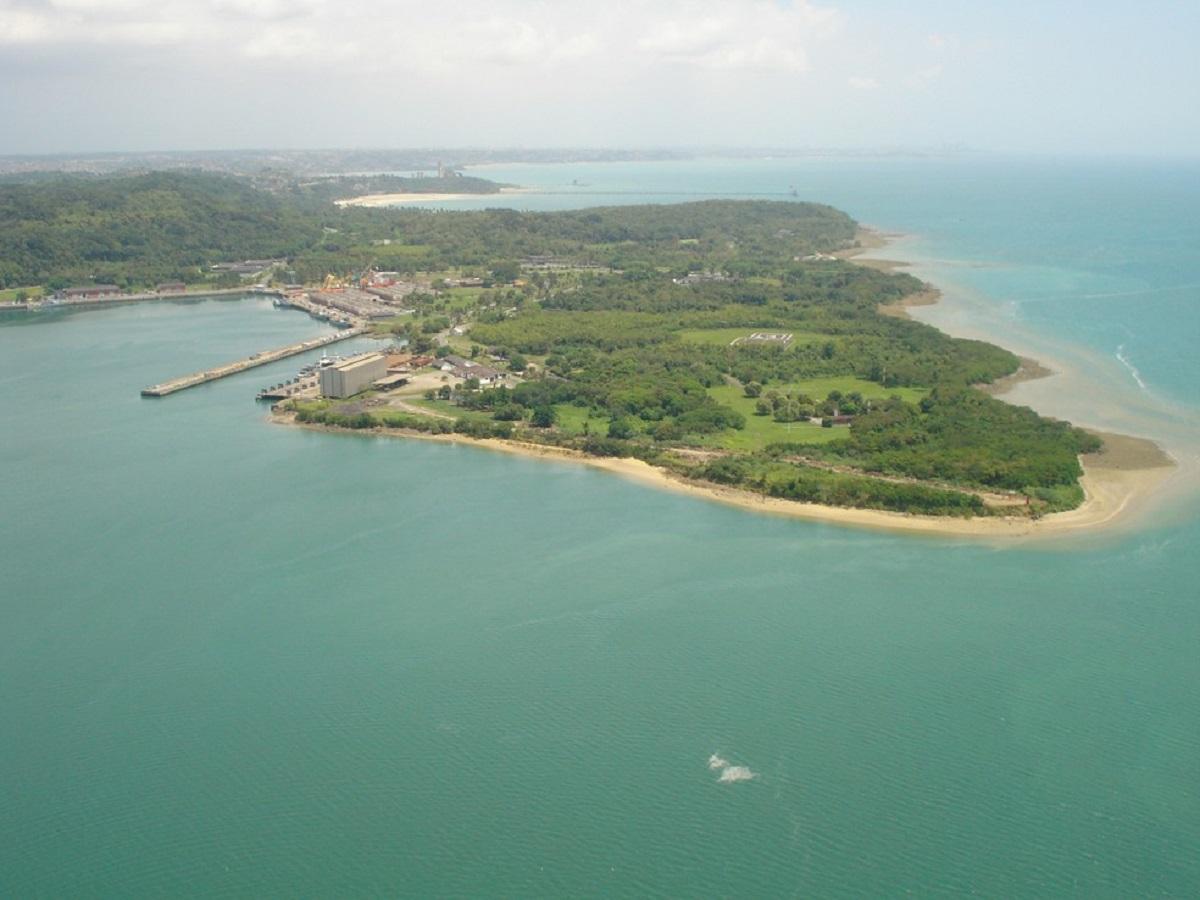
1115	487
375	200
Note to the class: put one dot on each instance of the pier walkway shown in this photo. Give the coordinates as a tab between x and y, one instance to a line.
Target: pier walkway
250	362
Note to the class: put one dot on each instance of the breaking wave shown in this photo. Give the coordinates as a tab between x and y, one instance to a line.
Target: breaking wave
716	762
731	774
1137	376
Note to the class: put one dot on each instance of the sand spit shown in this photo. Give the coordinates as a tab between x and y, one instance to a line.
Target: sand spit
376	200
1029	370
1111	487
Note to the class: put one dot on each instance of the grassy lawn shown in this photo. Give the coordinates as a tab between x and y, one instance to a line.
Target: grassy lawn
763	430
385	326
460	299
446	408
460	345
572	419
723	337
819	389
9	295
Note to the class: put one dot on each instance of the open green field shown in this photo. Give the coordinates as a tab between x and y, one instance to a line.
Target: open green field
459	299
387	326
577	419
820	388
446	408
9	295
763	430
723	337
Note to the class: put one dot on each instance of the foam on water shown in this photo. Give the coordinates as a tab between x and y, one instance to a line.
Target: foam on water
1124	360
729	773
736	773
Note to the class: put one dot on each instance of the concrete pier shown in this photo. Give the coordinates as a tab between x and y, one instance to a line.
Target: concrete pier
250	362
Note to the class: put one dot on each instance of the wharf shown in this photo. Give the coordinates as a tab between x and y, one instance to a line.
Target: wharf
298	388
316	310
250	362
115	299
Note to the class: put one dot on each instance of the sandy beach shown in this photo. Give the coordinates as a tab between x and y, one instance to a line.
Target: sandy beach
1120	482
375	200
1116	483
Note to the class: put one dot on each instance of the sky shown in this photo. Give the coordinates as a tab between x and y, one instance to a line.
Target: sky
1058	77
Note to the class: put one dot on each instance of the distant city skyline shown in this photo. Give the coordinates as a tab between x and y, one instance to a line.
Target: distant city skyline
132	75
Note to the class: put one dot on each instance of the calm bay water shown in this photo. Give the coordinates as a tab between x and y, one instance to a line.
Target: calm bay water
237	659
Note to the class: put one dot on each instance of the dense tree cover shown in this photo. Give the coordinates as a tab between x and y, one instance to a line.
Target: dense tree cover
811	485
967	437
136	230
682	237
544	331
140	230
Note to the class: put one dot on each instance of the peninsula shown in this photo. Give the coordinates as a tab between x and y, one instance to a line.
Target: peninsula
728	347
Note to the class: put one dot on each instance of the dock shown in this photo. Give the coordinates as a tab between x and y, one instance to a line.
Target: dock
250	362
298	388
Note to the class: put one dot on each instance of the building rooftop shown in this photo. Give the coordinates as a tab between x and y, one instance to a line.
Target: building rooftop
351	364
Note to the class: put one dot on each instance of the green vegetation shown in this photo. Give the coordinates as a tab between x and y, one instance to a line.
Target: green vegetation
763	430
320	191
811	485
137	231
142	230
625	344
21	294
724	337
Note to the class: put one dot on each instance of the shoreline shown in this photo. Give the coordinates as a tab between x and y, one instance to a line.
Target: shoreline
1109	490
377	200
1118	482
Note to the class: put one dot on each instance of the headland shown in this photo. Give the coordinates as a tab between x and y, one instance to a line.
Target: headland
1119	480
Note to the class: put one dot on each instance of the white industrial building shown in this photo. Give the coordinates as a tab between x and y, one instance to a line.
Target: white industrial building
345	379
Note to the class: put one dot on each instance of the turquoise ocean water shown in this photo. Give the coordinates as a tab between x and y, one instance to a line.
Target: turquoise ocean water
239	660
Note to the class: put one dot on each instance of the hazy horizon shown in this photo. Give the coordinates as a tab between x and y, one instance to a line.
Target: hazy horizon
128	76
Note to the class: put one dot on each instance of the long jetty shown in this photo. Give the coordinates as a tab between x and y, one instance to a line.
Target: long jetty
250	362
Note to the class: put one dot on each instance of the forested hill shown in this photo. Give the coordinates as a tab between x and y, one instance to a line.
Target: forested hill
138	230
135	231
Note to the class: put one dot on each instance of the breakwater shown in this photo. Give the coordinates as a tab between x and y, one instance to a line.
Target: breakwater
261	358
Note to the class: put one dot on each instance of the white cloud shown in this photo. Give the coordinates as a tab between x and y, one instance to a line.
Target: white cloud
861	83
516	42
287	43
924	77
942	42
755	35
268	10
724	35
134	23
22	26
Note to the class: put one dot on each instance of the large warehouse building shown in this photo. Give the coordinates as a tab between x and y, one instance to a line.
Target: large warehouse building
347	378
